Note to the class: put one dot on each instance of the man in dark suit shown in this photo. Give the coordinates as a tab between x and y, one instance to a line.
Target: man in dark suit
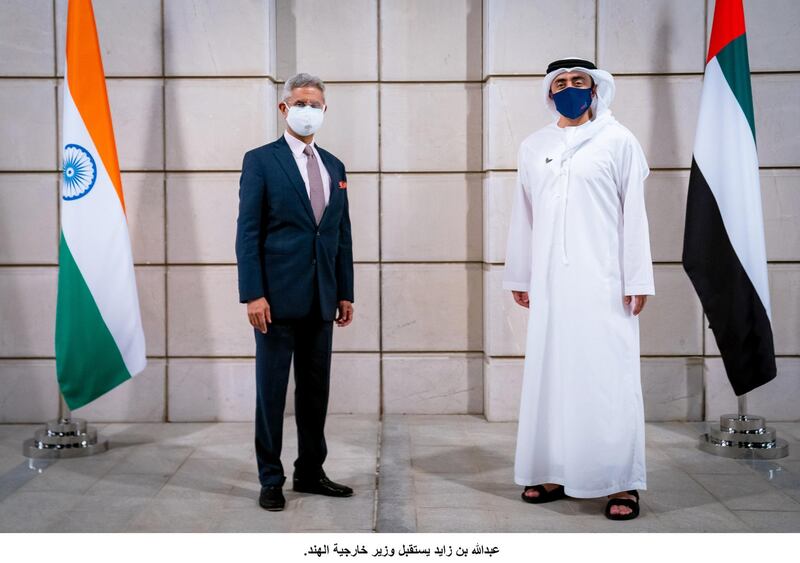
295	261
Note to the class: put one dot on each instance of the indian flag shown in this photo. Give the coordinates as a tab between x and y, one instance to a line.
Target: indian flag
723	248
99	338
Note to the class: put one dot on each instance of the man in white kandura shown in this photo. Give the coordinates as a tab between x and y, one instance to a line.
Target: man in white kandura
579	257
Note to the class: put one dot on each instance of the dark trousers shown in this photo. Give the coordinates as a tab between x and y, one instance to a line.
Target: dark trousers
309	340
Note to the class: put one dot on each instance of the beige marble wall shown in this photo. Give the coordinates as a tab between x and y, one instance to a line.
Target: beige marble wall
428	103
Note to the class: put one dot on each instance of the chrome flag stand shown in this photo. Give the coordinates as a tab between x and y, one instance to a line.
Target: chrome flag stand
743	436
64	437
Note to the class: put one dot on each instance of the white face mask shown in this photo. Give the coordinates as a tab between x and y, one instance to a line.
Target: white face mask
305	120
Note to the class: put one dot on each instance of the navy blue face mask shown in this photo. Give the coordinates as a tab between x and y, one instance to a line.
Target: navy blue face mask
573	102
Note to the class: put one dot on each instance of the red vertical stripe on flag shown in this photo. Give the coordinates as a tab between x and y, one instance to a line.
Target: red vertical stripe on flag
728	25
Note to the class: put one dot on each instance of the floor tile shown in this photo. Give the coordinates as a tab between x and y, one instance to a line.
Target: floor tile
747	492
431	473
769	521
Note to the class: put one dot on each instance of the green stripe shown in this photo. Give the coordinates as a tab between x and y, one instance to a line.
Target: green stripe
88	361
736	68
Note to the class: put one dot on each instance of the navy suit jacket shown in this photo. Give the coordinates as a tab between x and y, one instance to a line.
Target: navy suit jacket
280	250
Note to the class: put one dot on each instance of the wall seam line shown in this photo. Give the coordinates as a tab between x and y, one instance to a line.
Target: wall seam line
165	196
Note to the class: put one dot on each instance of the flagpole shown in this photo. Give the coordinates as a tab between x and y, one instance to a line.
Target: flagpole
64	437
742	403
65	412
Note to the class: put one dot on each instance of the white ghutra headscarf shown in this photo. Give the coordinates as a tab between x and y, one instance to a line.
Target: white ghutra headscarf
601	103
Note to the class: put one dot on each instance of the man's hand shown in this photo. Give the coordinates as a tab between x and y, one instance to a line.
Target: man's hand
638	303
344	313
521	297
258	314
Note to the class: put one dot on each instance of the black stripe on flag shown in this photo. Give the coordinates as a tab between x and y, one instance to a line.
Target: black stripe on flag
735	312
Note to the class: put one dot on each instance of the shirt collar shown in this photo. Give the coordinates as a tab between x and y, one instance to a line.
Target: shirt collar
296	145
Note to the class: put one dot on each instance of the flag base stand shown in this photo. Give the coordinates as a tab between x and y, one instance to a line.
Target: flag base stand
62	438
743	436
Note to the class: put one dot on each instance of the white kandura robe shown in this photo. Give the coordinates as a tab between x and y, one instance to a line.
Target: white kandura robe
578	243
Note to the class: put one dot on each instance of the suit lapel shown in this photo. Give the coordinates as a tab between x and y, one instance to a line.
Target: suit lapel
286	159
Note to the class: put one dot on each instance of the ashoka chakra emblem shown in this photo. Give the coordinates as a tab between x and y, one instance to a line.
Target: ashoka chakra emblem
80	172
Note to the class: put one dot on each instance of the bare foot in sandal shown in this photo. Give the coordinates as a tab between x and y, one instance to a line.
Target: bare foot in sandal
538	494
623	505
533	493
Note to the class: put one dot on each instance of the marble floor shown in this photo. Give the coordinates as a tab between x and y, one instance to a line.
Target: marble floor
410	474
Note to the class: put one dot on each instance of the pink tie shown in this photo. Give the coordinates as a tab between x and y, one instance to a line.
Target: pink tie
317	194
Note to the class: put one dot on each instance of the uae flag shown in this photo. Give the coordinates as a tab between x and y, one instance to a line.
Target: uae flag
99	339
723	246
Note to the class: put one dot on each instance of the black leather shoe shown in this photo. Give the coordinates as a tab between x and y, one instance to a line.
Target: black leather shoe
321	486
271	498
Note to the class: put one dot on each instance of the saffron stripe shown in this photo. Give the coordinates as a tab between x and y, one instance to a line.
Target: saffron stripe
87	85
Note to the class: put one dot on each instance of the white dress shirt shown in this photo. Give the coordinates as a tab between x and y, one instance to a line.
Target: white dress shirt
297	147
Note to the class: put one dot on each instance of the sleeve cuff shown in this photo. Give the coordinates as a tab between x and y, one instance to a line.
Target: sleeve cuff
247	297
515	286
639	290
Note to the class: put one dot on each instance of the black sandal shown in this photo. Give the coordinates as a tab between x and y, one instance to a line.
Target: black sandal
544	494
632	504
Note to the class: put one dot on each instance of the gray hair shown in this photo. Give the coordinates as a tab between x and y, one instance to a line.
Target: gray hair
302	80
